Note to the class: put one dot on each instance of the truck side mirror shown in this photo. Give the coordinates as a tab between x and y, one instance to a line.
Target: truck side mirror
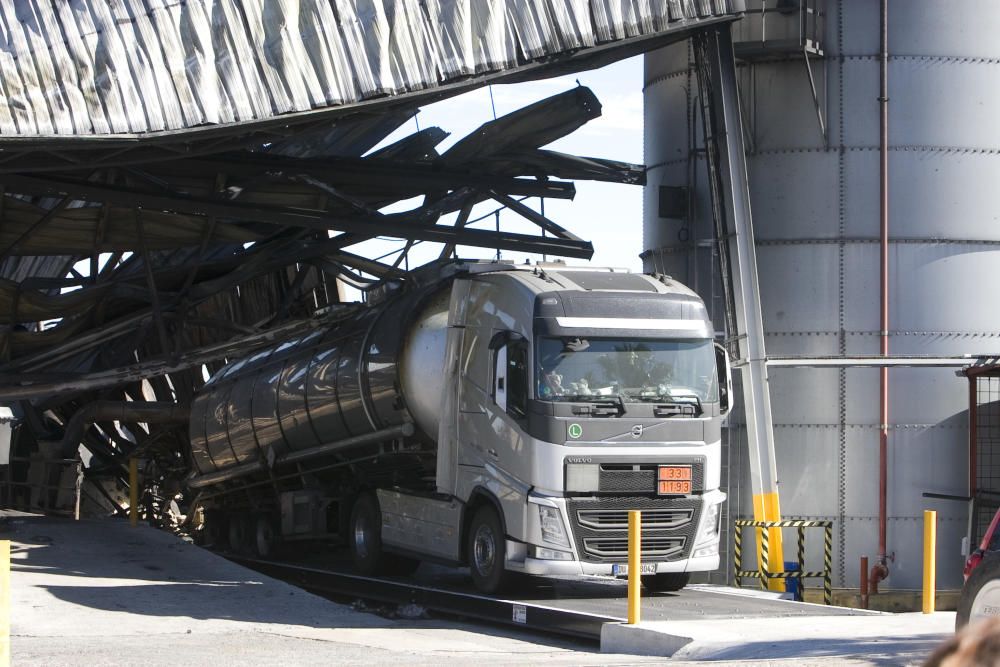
725	374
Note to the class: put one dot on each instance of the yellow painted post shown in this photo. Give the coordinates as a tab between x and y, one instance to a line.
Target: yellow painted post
634	564
4	603
133	491
767	508
930	559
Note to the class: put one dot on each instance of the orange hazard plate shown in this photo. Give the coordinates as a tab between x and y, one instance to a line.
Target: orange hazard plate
673	480
674	488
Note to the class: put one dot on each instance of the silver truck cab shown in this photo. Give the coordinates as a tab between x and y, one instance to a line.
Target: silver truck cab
571	397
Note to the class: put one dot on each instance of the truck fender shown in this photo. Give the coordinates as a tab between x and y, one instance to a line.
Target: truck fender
480	496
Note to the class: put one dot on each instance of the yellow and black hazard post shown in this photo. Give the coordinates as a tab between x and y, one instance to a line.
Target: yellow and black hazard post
767	572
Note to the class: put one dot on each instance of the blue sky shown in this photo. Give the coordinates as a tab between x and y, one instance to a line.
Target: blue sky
608	215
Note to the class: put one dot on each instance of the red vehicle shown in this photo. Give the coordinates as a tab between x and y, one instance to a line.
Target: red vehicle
991	542
980	596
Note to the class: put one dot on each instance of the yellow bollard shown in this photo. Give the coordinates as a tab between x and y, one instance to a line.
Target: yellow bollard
133	491
634	564
930	559
4	603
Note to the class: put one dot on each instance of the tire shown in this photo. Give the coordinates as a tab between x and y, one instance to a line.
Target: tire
264	536
365	536
980	596
666	582
239	534
486	548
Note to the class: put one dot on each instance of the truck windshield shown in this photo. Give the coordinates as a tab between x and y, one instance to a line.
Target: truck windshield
581	369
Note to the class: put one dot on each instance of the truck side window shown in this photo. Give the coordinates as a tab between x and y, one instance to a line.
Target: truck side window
517	378
500	378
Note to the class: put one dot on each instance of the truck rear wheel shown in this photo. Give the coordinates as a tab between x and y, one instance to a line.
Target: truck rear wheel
366	536
487	550
666	581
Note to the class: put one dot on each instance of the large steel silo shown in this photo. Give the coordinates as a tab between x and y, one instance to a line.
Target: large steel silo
816	205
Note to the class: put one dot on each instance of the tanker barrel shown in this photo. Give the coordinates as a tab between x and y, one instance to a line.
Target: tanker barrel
235	472
374	375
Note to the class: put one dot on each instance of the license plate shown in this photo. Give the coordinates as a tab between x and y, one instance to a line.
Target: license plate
621	570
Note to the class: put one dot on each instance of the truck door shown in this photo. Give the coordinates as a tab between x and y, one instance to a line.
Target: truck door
507	411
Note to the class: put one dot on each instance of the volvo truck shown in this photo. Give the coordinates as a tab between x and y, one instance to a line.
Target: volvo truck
496	416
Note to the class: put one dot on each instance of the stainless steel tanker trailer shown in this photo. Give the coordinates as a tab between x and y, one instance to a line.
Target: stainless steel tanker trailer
483	414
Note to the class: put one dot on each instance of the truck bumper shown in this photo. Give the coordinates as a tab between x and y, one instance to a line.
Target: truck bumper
557	567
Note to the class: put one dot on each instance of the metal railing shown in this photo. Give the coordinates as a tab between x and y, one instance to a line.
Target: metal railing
784	25
764	572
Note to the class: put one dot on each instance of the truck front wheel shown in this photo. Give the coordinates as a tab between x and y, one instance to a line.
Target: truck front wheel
487	549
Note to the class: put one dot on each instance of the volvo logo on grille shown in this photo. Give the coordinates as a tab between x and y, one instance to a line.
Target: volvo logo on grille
637	431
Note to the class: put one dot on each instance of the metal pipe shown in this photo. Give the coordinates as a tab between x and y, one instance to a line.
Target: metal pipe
973	436
881	570
235	472
148	412
864	582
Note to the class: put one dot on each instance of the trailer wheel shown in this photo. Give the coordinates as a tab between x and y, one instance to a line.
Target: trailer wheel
666	581
486	549
264	536
239	533
366	536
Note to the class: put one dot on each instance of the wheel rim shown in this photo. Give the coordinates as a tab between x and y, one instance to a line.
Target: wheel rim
987	601
361	537
484	549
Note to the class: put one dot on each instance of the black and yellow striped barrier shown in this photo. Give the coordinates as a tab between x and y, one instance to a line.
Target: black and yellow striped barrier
764	572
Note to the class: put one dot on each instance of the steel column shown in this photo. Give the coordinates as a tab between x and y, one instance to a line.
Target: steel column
734	222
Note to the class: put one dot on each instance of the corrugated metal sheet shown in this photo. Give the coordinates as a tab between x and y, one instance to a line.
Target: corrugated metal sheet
104	67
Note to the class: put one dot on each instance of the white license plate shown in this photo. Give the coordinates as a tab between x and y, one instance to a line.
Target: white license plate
622	570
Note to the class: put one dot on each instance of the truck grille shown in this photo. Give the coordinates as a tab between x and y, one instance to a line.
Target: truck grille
600	526
641	477
614	548
618	519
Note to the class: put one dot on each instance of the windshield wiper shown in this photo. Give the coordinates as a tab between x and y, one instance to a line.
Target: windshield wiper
689	404
615	401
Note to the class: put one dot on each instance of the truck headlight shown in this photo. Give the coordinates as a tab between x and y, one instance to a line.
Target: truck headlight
552	525
710	524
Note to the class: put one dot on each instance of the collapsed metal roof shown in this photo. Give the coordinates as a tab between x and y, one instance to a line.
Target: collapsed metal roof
128	67
212	163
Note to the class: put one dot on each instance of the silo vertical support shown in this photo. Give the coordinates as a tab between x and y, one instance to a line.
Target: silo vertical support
730	187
